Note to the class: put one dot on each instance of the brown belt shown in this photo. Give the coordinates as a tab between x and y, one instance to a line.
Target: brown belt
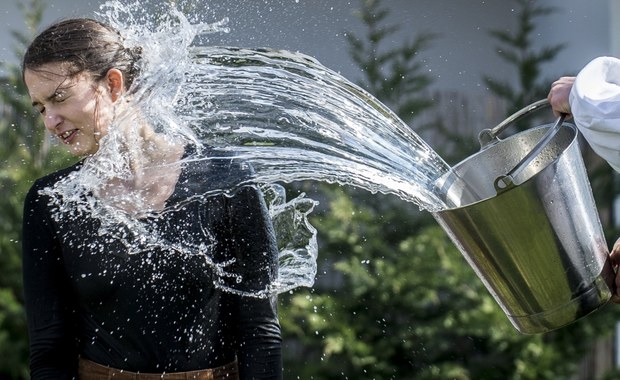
89	370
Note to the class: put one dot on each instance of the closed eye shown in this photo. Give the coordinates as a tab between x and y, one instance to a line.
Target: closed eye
56	97
40	108
59	97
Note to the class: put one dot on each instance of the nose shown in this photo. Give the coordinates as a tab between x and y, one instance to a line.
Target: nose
51	121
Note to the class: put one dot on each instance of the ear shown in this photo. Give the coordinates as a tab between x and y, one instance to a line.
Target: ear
115	83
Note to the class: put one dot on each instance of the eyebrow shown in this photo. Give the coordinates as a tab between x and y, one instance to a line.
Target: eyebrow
47	99
53	95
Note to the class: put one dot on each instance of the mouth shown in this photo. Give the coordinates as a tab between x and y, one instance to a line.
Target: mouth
67	136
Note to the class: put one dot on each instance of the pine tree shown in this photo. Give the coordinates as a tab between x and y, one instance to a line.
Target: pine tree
516	48
394	298
25	154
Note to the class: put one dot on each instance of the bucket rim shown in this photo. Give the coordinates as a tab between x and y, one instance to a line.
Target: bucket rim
440	182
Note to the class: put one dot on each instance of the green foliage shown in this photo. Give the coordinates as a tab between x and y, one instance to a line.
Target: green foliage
409	306
405	307
516	48
394	298
396	76
25	155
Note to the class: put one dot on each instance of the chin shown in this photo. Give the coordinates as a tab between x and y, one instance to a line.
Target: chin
83	150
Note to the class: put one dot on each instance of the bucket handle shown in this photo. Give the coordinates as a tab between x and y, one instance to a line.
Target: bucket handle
488	136
505	182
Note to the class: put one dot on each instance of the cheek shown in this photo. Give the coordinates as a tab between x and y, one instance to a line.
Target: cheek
101	113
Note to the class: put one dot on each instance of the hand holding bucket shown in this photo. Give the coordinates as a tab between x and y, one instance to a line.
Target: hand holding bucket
537	244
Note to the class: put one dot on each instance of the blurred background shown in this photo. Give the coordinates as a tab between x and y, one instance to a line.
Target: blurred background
393	297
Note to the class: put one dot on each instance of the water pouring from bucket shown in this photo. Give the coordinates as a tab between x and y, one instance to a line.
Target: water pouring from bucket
523	215
537	246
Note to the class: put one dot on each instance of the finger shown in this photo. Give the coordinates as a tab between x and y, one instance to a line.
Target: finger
616	246
615	253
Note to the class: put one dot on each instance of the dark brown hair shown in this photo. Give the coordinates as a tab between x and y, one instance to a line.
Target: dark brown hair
86	45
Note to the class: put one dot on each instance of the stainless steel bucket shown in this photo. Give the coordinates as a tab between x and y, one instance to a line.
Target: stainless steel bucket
537	245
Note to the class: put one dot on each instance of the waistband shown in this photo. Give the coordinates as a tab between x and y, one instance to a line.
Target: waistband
89	370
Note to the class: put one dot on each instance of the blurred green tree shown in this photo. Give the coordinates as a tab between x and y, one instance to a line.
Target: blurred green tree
397	76
517	49
394	298
25	155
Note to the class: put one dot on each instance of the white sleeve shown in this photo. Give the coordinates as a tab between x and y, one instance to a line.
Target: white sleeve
595	105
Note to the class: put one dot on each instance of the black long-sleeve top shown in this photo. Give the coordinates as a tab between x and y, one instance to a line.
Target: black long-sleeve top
155	309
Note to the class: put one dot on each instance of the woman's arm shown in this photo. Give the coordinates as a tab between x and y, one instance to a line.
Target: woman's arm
258	339
53	353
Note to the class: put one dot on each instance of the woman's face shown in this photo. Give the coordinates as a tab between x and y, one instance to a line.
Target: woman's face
75	109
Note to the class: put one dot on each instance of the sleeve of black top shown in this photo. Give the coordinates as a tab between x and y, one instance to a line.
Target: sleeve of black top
53	353
255	248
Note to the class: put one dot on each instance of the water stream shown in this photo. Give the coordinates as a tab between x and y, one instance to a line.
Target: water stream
283	113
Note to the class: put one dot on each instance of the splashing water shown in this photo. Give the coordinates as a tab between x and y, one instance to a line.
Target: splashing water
283	113
293	119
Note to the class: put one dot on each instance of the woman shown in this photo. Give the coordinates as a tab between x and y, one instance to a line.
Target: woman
105	299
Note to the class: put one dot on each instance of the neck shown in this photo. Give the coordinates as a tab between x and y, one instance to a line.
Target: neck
154	163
